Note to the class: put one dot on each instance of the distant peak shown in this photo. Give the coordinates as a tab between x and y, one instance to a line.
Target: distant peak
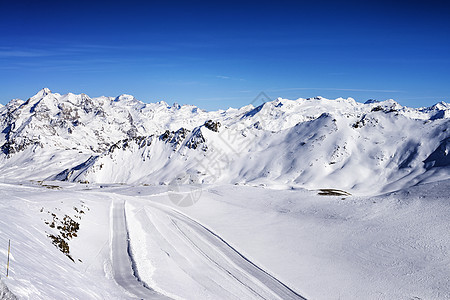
392	102
441	106
163	103
124	97
41	94
370	101
44	92
315	98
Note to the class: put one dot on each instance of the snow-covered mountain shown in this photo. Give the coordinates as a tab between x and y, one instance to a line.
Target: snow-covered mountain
312	143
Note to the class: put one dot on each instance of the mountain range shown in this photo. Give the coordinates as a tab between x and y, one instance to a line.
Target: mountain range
363	148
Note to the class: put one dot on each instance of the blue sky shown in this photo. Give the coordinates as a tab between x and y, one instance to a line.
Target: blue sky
221	54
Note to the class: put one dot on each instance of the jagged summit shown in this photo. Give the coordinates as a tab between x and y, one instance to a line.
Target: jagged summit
441	106
41	94
45	91
376	146
125	97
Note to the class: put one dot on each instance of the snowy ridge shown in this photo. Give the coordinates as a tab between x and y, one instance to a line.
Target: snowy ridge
313	143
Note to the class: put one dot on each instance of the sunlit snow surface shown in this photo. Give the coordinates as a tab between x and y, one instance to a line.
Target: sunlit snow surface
392	246
112	198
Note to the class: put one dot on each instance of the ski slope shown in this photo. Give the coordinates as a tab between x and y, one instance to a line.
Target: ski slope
236	242
224	271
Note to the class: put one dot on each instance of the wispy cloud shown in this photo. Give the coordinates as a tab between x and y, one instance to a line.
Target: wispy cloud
335	89
9	53
218	98
86	48
229	78
427	97
54	49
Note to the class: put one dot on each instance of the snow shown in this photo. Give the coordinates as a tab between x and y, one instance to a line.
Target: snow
182	203
38	270
391	246
5	293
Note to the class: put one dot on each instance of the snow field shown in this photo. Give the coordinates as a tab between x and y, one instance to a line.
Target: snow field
392	246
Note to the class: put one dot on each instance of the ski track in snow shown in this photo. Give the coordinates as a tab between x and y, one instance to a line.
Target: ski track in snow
227	259
219	267
125	273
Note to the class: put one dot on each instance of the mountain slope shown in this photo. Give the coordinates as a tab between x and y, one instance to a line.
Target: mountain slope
314	143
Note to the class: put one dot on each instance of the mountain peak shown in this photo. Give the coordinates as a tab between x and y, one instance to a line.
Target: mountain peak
441	106
41	94
124	97
370	101
44	92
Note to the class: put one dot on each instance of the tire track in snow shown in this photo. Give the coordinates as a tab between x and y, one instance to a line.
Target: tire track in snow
124	266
